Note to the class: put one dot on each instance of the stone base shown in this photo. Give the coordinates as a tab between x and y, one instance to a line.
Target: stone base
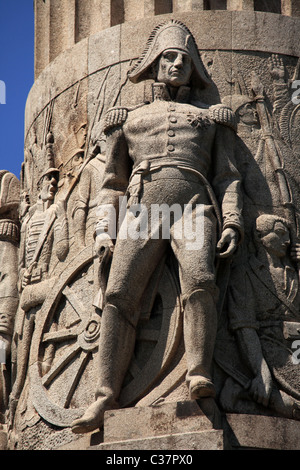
187	425
261	432
203	440
3	438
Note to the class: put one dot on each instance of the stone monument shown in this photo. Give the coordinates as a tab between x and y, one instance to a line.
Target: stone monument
150	251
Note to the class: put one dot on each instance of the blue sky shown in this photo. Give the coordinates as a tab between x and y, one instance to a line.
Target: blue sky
17	72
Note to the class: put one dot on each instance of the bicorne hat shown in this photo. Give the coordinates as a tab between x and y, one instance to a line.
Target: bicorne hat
170	35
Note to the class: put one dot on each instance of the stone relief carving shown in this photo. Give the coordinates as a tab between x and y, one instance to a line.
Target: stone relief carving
44	231
264	276
145	146
9	245
263	310
87	295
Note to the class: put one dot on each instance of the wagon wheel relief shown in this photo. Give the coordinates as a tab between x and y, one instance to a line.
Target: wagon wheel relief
64	345
85	332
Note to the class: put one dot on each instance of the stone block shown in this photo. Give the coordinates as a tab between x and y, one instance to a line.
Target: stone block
240	5
204	440
64	72
3	439
264	432
265	32
152	421
104	49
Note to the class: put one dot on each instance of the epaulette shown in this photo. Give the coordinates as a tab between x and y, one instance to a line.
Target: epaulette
114	117
223	115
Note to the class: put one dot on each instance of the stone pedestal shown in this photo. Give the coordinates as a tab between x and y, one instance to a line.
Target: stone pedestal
193	426
261	432
187	426
84	51
170	426
3	438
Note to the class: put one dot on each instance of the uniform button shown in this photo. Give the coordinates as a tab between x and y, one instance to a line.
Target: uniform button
170	148
173	119
172	108
171	133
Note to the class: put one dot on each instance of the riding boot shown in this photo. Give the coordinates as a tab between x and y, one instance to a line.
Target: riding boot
200	327
116	346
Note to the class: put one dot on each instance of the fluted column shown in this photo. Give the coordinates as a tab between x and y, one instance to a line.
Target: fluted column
290	7
239	5
62	26
157	7
59	24
162	6
42	36
187	5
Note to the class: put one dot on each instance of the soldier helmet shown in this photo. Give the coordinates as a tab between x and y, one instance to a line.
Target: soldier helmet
170	35
9	191
236	101
51	170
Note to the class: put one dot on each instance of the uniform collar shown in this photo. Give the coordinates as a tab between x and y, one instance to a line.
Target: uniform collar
161	93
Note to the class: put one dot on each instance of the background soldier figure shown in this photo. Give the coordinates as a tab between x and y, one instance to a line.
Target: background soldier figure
46	222
9	297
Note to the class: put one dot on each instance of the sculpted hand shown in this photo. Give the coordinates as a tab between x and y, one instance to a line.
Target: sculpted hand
277	69
261	385
25	279
103	242
229	242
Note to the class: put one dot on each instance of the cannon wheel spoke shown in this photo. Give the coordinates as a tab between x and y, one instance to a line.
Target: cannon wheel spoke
60	365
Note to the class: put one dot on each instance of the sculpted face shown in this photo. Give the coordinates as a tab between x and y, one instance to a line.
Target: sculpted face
278	240
49	187
174	68
248	115
81	136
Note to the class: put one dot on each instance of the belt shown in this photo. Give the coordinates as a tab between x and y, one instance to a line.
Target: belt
148	166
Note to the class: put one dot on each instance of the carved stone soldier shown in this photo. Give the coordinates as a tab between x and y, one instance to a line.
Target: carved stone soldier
45	229
174	150
264	316
9	296
85	207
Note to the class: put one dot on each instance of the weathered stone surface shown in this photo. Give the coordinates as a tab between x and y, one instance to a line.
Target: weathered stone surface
3	440
89	106
145	422
263	432
205	440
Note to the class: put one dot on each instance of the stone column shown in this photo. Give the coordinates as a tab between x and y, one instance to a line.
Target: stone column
215	5
188	5
238	5
157	7
62	26
42	36
162	6
290	7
